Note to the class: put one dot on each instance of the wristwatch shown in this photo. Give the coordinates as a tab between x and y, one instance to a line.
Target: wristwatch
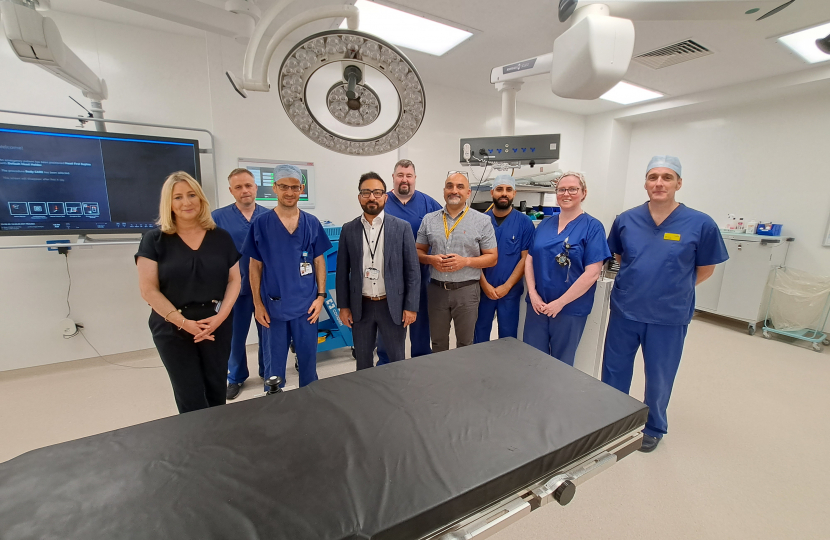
322	295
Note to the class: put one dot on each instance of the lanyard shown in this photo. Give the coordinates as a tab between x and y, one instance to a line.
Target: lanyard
447	231
369	244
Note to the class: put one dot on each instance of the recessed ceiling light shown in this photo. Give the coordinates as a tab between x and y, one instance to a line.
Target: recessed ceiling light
803	43
407	30
627	94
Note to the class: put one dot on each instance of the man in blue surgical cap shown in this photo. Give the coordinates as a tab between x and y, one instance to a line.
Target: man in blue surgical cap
664	249
501	285
288	277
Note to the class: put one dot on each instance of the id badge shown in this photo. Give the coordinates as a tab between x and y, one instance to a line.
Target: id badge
372	273
305	268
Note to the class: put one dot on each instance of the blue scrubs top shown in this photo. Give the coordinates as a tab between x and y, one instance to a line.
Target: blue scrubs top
513	236
231	219
281	254
413	212
656	282
586	236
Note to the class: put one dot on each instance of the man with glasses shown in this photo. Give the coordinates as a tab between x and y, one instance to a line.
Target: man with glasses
288	277
378	275
236	218
502	283
457	243
664	249
406	203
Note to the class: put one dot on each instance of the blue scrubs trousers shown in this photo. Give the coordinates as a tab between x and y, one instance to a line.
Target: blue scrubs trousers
243	311
662	348
277	340
507	310
557	336
419	341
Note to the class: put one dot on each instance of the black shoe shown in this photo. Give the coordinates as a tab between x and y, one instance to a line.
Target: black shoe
649	443
233	391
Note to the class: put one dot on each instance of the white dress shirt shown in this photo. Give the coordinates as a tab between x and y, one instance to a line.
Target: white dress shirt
372	231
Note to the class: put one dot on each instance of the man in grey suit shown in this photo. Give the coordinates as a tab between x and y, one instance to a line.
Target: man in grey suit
378	275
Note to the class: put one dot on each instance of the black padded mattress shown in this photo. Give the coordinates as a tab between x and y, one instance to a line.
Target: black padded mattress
393	452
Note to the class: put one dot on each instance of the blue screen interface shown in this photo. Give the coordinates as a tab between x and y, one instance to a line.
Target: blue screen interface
54	181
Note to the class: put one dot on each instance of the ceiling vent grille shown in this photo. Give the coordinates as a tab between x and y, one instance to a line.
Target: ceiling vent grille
672	54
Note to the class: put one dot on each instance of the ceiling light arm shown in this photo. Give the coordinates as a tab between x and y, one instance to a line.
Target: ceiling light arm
259	33
255	74
352	75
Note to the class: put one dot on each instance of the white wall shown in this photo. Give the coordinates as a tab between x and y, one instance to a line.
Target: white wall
764	161
166	78
147	83
605	162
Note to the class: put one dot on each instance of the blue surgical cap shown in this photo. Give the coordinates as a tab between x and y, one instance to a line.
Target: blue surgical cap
287	171
669	162
504	180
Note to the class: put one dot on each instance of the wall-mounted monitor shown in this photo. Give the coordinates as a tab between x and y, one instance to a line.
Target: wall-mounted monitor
263	171
60	181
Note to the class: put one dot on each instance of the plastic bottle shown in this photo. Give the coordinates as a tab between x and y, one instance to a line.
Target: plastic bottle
739	225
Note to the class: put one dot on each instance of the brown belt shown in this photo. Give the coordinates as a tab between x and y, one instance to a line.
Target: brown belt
375	298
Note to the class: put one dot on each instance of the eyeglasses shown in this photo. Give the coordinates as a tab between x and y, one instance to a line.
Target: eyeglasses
378	193
284	187
568	190
450	173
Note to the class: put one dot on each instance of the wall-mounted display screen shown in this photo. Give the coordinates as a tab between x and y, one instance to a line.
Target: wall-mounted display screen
263	171
56	181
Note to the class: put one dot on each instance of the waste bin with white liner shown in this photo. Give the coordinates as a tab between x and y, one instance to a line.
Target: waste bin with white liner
798	306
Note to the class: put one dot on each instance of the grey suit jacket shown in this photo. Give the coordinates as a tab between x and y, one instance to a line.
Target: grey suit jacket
402	273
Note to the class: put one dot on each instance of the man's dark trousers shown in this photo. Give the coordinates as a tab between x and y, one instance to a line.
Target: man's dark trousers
377	319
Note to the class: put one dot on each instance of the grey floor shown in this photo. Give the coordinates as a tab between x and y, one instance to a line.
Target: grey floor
744	457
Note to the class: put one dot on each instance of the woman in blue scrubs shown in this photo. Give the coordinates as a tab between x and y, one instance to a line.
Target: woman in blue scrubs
561	271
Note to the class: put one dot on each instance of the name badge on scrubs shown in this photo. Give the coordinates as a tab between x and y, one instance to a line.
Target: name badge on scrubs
670	236
371	273
305	266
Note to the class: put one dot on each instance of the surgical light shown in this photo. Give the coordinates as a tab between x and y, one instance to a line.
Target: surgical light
407	30
626	94
352	92
806	43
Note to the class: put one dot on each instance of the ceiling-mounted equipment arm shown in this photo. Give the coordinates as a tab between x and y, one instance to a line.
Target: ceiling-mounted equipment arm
592	55
36	39
258	56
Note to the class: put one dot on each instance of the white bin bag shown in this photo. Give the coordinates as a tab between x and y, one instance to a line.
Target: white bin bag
798	300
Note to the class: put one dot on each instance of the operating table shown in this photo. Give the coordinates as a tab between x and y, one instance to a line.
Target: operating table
449	446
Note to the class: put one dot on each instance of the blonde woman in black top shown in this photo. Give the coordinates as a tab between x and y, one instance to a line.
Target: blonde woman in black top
189	274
